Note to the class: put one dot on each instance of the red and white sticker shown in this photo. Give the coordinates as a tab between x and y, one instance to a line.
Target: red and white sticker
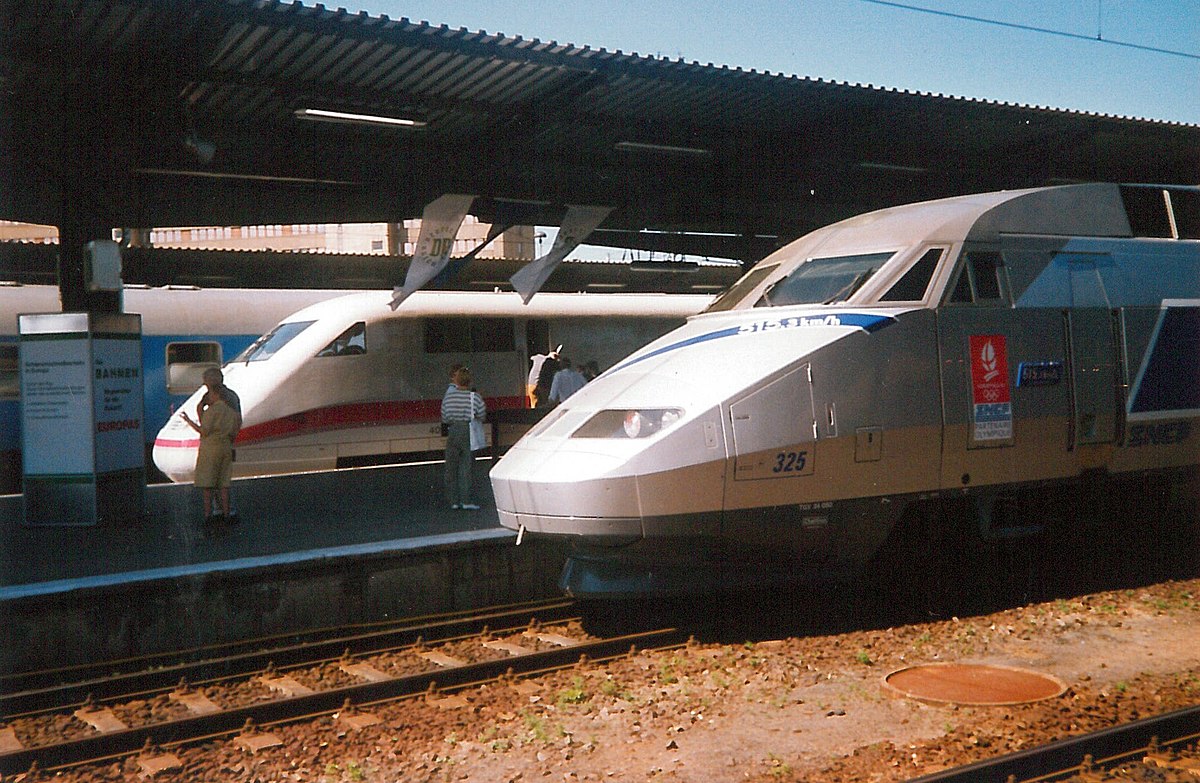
990	394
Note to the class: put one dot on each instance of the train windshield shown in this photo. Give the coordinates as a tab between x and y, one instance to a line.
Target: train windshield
824	280
731	298
265	347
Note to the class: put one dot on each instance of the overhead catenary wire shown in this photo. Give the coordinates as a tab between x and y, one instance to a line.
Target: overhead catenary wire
1034	29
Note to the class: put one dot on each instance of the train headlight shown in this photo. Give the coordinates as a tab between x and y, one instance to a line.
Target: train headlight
639	423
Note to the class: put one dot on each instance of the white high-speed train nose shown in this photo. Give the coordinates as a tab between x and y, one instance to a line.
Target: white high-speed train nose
175	449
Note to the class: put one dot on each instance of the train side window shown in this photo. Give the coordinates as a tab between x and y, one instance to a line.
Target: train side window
1185	208
962	288
492	335
981	279
469	335
351	342
10	378
912	286
186	363
985	275
447	335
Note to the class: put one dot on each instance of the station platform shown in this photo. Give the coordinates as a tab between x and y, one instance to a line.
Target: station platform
312	550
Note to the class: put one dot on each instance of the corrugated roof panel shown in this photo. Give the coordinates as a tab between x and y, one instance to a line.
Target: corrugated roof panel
475	83
290	50
385	62
516	84
410	60
366	70
423	74
236	41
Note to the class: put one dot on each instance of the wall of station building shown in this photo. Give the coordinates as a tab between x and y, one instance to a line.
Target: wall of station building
398	239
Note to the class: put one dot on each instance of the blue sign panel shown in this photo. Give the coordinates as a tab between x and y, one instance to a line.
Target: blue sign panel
1039	373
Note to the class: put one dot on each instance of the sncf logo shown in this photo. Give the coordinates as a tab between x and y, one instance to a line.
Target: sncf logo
1165	434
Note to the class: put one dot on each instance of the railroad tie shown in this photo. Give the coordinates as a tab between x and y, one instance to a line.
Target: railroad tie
365	671
557	639
155	765
253	741
508	647
102	720
1190	766
287	686
8	740
441	659
195	702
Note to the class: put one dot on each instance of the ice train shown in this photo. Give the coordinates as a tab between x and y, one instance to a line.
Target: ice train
987	352
350	381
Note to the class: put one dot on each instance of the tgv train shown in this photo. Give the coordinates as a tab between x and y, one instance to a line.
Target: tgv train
184	330
350	381
979	354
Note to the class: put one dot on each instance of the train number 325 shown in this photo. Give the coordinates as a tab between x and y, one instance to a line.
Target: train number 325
790	461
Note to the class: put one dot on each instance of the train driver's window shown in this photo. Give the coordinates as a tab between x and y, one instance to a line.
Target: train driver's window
742	288
912	285
186	363
266	346
351	342
824	280
10	379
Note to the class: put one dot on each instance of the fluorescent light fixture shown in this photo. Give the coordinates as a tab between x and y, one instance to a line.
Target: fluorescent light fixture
637	146
324	115
892	167
534	202
249	177
612	286
663	266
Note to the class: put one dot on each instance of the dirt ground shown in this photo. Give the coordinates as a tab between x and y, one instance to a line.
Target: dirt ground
800	708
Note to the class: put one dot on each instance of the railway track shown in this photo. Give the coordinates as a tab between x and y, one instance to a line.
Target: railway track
31	692
347	675
1152	742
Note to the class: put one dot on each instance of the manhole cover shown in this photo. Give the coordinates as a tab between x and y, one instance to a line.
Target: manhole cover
973	684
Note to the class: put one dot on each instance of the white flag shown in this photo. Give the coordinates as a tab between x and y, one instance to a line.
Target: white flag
439	225
577	224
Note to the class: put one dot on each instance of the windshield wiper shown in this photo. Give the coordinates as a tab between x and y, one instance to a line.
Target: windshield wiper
848	290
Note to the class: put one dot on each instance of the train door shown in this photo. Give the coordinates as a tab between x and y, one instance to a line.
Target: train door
1092	354
1005	404
773	433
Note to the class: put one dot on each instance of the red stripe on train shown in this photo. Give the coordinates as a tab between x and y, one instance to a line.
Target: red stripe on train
340	417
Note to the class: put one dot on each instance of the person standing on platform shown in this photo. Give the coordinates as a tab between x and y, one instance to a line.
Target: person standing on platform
566	382
544	377
538	360
218	419
459	407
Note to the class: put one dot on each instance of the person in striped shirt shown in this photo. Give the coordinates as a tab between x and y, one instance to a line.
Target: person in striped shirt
459	406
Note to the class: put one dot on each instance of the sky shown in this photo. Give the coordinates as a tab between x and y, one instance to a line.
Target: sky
1099	55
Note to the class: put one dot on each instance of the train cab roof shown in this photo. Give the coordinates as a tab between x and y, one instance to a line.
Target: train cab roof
904	255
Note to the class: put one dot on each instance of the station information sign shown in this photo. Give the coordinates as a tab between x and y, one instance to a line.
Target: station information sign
82	403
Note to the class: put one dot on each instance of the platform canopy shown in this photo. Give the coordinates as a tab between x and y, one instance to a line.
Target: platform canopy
224	112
